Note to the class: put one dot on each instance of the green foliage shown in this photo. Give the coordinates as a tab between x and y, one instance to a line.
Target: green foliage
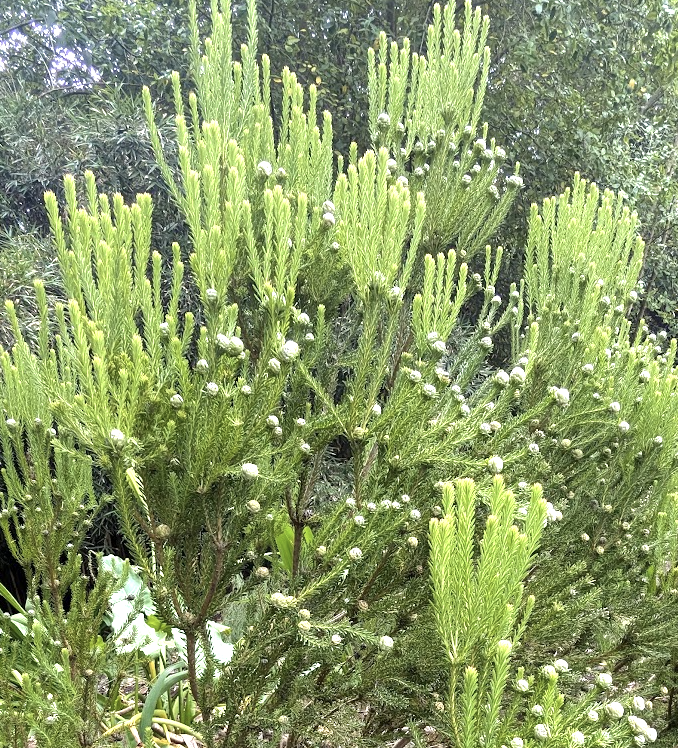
312	317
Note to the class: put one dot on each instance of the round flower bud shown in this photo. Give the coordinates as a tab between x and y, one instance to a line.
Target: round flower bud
117	437
211	295
202	366
614	407
577	454
501	378
495	464
164	329
336	639
542	732
304	626
561	666
246	389
211	388
658	440
272	422
486	342
385	643
414	375
321	550
623	426
176	401
415	514
355	554
289	351
277	432
577	738
329	220
429	390
274	365
254	506
644	376
412	541
249	470
638	703
537	710
359	520
517	742
383	121
533	449
522	685
615	710
263	572
305	447
264	169
604	680
592	716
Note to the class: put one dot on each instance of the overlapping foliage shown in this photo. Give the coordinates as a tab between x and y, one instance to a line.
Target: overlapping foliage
288	412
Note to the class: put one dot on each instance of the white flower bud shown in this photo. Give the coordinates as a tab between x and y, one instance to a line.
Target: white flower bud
274	365
592	716
604	680
383	120
246	389
254	506
614	407
415	514
522	685
533	448
385	643
336	639
414	375
304	626
624	426
355	554
164	329
272	422
412	541
249	470
305	447
329	220
264	169
429	390
212	388
502	378
615	710
550	672
495	464
176	401
289	351
577	738
561	666
537	710
486	342
638	703
263	572
117	437
202	366
542	732
359	520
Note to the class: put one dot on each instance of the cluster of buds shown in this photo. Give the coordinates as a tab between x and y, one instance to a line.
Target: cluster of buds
231	346
283	602
328	214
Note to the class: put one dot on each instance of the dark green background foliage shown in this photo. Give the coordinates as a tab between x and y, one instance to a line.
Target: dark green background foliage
575	85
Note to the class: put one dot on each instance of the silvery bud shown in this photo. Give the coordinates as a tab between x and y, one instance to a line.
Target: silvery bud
211	295
274	365
289	350
253	506
264	169
249	470
117	437
202	366
176	401
211	388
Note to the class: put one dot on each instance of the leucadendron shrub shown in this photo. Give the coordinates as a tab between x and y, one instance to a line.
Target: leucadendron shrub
278	450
